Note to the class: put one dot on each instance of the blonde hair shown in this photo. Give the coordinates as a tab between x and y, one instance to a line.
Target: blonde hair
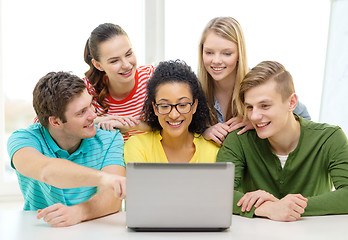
264	72
228	28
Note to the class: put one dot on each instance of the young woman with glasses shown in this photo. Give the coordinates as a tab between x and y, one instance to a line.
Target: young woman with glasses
177	112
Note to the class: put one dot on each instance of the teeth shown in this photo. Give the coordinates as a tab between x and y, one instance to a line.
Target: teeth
125	73
174	123
261	125
90	125
218	68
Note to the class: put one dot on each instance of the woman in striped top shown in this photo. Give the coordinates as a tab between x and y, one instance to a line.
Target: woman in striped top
115	81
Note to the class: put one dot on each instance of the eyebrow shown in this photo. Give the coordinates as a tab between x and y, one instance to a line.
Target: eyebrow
113	58
179	99
225	49
263	101
76	113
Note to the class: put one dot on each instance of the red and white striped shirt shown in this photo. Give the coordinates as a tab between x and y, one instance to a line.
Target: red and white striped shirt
132	105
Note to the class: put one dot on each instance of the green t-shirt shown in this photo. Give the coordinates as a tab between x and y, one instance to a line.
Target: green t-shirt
319	162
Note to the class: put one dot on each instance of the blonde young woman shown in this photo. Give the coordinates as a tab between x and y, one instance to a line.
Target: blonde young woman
222	66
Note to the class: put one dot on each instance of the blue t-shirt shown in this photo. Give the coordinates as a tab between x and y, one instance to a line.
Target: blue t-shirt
105	148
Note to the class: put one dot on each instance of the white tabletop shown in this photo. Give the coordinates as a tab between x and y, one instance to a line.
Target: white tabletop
16	224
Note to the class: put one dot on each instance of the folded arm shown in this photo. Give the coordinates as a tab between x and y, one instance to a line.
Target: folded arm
255	198
287	209
263	204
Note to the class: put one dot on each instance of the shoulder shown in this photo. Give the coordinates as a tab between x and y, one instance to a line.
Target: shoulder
142	76
139	147
146	69
328	137
90	88
199	139
145	72
86	81
33	136
246	144
317	129
143	139
206	151
104	137
248	137
205	145
327	141
302	111
33	131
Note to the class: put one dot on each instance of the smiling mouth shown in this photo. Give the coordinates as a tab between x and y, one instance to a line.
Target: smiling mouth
174	124
261	125
127	73
90	125
218	68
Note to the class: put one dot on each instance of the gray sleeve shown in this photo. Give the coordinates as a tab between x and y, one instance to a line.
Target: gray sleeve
301	110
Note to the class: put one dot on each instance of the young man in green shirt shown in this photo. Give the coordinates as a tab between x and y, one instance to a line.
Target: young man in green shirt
287	166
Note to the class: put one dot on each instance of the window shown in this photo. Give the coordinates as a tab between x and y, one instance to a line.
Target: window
289	32
334	109
42	36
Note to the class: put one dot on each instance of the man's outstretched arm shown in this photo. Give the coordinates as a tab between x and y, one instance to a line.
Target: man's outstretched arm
63	173
104	202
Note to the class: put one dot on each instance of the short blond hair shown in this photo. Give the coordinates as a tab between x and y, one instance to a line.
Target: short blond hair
264	72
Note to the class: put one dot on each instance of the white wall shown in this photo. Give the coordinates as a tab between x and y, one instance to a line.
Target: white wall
292	32
334	100
40	36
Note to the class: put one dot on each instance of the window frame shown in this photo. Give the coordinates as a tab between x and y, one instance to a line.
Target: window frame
153	33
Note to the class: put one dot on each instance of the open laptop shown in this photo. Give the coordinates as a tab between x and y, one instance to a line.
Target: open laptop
179	196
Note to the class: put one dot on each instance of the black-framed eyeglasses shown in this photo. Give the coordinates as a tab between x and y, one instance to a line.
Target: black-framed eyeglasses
165	108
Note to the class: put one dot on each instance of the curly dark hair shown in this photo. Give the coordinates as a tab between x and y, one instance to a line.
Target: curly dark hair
176	72
53	93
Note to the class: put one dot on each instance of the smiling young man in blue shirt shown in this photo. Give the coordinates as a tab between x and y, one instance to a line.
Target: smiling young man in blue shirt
68	170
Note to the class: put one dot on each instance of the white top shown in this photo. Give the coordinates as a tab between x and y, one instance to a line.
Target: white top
282	159
19	225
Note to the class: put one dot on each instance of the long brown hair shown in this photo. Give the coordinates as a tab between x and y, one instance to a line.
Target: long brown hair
96	77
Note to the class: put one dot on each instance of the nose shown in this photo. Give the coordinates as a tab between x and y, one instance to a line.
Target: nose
255	115
126	64
174	114
92	114
216	59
